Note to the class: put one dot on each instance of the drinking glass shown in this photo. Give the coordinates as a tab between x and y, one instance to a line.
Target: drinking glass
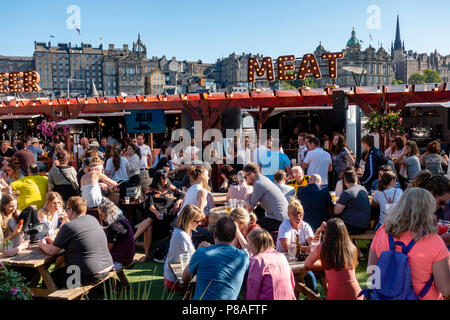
294	162
333	196
233	203
292	250
127	200
314	244
228	207
184	260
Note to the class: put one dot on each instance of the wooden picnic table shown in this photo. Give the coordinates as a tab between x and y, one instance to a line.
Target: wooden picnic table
219	198
298	269
33	257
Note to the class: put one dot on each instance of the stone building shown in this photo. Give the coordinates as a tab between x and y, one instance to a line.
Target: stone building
16	64
408	62
232	71
125	69
155	82
377	63
67	68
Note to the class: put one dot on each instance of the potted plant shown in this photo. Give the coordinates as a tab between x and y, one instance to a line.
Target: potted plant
12	285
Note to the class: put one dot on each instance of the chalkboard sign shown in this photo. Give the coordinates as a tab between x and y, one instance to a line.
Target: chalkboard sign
146	121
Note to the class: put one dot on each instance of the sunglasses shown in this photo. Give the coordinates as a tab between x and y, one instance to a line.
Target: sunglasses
197	221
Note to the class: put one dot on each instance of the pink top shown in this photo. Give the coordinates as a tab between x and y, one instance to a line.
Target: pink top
270	277
239	191
426	251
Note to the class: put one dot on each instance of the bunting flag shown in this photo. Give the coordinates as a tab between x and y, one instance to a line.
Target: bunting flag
361	41
370	37
52	36
100	38
79	31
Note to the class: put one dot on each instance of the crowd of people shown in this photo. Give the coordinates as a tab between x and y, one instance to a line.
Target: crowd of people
321	195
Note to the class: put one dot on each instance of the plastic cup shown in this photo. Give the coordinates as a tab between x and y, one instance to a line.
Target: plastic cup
292	250
127	200
333	196
233	203
294	162
228	207
184	260
314	244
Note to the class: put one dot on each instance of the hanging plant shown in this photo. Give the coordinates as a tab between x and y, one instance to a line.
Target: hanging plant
384	123
50	128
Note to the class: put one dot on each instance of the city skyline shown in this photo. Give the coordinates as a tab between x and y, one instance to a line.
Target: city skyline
188	34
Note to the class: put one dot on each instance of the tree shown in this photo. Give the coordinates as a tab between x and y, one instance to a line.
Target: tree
395	82
309	82
428	76
416	78
431	76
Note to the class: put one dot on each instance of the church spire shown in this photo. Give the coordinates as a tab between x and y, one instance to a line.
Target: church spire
398	41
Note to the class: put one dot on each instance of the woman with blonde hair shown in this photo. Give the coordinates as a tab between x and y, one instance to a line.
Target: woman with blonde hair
269	274
412	223
188	220
52	211
339	258
243	218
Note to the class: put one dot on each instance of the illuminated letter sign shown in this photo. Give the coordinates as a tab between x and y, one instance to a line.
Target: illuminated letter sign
309	65
332	62
253	66
31	80
19	82
4	82
282	67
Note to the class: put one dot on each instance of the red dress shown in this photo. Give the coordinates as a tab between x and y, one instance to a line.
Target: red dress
342	285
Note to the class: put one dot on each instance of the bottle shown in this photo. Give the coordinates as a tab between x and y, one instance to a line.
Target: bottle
297	242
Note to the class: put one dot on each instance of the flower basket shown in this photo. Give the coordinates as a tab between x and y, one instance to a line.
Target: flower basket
385	123
50	128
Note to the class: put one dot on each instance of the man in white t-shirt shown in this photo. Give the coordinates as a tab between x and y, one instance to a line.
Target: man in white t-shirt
317	161
146	152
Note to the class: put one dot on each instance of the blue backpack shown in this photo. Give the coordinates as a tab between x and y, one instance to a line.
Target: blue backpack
396	282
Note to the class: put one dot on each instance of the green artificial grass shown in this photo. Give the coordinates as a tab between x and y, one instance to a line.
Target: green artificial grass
147	281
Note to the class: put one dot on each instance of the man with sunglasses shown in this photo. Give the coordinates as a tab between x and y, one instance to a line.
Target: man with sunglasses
268	195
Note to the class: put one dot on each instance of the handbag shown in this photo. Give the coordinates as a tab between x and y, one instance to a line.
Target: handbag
32	226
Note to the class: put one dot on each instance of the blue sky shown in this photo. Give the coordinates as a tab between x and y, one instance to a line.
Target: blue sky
207	30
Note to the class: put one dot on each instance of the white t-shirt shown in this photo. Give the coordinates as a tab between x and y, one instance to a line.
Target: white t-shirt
318	161
381	199
179	243
287	232
145	151
117	175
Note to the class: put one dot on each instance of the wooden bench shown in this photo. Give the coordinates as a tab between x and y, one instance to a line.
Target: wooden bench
78	293
136	258
368	235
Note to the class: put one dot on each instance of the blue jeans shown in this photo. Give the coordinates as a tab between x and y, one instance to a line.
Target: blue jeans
310	281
